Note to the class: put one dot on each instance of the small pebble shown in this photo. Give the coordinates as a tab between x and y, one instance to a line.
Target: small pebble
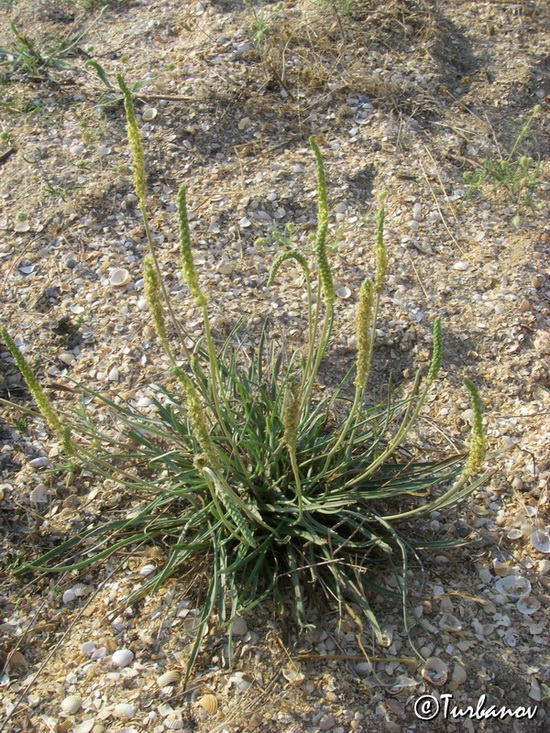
40	462
327	722
461	266
239	627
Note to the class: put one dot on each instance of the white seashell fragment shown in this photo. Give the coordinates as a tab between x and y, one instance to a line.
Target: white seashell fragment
88	647
535	693
528	605
22	225
146	570
294	675
435	671
80	590
119	277
343	292
123	657
459	675
515	534
513	586
85	727
149	113
174	721
69	596
71	704
168	678
540	539
501	568
402	682
241	681
449	622
463	266
39	495
124	710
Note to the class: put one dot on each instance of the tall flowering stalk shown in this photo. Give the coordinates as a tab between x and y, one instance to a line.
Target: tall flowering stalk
140	187
42	401
364	335
188	266
325	286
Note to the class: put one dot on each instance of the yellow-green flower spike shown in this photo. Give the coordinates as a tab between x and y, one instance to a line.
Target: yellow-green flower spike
380	252
38	393
363	330
282	257
321	182
437	350
322	263
134	140
478	445
187	264
291	413
197	418
152	296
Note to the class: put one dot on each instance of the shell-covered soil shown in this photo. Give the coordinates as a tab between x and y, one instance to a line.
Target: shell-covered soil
405	98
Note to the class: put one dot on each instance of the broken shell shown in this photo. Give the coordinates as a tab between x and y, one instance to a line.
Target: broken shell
173	721
241	681
435	671
71	704
501	568
343	292
119	277
514	586
209	703
69	596
402	682
22	225
149	113
528	605
124	710
80	590
168	678
294	676
540	539
449	622
123	657
459	674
